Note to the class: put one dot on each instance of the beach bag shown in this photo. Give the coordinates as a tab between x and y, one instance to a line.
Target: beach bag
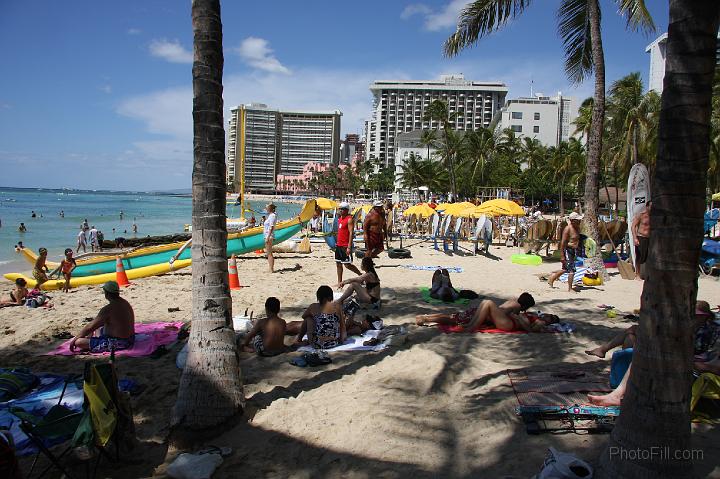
561	465
468	294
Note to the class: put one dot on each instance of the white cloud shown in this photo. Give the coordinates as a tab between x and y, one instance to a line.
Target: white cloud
134	31
435	20
415	9
171	51
257	53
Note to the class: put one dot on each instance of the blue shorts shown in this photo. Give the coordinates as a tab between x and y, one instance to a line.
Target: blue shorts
103	344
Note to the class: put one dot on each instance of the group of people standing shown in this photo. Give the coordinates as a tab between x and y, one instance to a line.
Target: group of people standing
89	235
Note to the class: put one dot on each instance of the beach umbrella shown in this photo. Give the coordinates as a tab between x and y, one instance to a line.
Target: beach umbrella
326	204
457	209
421	210
365	209
443	206
500	207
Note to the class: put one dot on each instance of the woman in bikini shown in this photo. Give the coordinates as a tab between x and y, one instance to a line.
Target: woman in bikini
366	286
17	295
506	317
323	322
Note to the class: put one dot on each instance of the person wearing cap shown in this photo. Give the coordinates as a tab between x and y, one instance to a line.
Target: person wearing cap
374	230
112	329
569	243
67	266
269	235
343	251
40	270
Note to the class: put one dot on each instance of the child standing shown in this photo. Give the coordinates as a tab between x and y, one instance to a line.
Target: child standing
66	267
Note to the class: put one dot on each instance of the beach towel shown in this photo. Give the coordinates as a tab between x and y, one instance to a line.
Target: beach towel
38	402
425	294
577	279
148	338
452	269
353	343
552	328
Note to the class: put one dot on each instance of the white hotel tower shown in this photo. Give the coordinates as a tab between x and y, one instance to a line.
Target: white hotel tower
399	106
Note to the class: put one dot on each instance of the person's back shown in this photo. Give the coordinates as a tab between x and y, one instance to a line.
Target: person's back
273	333
119	319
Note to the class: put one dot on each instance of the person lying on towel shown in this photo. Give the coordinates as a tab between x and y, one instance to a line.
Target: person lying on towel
112	329
268	334
509	316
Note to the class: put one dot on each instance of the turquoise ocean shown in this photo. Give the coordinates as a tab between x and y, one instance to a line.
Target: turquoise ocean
154	214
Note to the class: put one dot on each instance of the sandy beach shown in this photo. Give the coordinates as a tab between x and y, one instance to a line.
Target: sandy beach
441	405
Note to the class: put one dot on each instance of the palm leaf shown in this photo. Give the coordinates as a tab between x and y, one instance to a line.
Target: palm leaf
574	28
479	19
637	15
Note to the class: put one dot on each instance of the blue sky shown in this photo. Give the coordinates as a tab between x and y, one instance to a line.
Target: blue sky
98	94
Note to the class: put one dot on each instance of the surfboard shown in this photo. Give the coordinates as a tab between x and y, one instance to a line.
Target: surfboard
638	195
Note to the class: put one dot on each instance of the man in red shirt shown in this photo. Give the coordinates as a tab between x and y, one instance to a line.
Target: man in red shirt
343	252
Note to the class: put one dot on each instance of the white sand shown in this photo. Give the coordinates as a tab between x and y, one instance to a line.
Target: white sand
439	406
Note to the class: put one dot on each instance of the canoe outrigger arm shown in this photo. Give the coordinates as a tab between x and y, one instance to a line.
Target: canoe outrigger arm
180	251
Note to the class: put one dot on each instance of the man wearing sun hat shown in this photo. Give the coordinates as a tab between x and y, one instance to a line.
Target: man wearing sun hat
343	245
569	244
112	329
374	230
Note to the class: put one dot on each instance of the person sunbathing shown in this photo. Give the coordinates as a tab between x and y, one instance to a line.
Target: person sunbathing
112	329
505	317
323	322
267	334
442	287
17	295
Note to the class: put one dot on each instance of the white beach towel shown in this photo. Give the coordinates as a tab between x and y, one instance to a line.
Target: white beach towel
353	343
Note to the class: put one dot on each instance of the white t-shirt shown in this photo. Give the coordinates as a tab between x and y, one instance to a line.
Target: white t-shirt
269	224
81	237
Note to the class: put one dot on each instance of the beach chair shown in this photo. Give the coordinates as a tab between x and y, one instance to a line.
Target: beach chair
442	232
483	232
454	235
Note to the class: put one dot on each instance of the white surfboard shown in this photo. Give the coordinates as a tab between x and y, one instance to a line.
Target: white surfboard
638	195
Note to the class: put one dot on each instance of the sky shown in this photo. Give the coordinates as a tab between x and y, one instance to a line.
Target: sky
98	94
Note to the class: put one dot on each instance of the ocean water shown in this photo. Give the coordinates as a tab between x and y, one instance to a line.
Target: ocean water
153	214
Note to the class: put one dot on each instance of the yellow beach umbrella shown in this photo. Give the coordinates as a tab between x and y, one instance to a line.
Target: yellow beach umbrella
326	203
500	207
364	208
456	209
422	210
443	206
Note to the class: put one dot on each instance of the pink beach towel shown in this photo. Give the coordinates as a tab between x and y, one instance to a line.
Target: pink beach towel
148	337
446	328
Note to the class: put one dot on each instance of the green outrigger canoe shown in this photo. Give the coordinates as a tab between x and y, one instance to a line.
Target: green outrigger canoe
238	243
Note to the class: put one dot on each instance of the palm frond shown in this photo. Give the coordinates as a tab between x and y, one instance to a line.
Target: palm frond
574	28
637	15
480	18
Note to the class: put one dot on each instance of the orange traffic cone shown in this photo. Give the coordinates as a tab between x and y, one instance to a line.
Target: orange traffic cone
120	276
233	279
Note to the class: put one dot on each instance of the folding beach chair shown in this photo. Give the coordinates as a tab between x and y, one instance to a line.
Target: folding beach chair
442	232
454	235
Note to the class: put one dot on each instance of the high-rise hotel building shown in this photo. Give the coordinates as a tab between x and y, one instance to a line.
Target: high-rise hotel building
546	119
264	143
399	106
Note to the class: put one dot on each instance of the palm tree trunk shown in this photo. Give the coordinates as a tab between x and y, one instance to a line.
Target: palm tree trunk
655	410
210	393
595	139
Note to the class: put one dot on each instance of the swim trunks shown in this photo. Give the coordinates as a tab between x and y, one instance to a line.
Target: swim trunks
257	343
39	276
374	241
464	317
569	255
103	344
341	255
641	250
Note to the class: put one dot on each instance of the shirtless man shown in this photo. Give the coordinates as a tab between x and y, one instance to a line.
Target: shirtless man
569	243
114	325
41	270
506	316
374	230
641	237
268	334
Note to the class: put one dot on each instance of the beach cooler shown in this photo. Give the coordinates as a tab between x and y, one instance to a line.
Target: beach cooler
619	365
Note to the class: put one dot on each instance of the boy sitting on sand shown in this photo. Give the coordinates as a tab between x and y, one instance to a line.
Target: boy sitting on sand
268	334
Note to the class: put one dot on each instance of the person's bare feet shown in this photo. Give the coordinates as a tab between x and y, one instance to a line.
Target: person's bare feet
611	399
550	283
599	352
421	319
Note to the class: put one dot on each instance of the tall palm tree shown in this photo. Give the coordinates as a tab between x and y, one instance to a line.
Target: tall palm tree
480	147
428	139
579	27
584	119
714	164
411	174
210	393
564	162
439	111
655	409
532	152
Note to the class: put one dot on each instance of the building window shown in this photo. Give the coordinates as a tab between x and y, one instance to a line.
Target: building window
516	128
537	116
536	129
517	115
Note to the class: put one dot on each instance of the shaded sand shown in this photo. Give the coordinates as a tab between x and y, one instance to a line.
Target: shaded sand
439	406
